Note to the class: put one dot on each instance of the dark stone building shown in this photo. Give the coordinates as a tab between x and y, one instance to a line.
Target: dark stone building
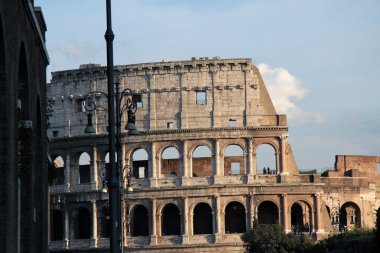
23	147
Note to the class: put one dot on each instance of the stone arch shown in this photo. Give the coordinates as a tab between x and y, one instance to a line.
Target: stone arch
268	212
82	223
266	158
105	223
234	159
202	161
170	161
59	164
171	220
84	168
202	218
56	225
140	163
235	218
350	216
301	216
140	220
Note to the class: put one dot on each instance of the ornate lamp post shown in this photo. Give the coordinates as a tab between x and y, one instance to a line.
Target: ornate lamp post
114	100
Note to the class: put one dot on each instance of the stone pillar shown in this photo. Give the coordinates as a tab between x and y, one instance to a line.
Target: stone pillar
251	161
252	209
153	223
185	221
94	168
283	143
152	103
217	169
66	236
183	100
94	236
153	165
317	209
67	171
285	213
215	102
186	170
218	219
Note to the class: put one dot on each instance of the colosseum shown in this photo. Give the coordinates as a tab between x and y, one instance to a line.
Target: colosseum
191	182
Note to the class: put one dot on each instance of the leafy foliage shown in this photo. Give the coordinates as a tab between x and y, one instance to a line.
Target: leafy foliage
271	238
377	232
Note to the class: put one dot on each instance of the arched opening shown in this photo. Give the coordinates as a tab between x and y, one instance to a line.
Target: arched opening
171	220
140	163
349	217
202	219
202	162
82	224
105	223
170	163
235	218
234	160
84	168
60	168
140	221
266	160
268	213
56	225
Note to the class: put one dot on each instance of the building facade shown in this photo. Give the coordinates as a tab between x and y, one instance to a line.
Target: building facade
193	169
23	152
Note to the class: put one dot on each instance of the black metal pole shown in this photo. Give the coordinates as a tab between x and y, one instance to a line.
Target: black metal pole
113	184
119	161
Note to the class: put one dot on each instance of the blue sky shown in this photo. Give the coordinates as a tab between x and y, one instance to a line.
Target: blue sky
320	59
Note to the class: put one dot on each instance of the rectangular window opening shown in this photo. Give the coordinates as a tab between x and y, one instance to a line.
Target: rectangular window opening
201	98
139	104
170	125
141	172
235	168
232	123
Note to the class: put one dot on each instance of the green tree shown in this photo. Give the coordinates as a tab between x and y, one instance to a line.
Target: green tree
271	238
377	232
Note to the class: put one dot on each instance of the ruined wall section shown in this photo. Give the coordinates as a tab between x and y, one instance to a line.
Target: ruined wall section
233	89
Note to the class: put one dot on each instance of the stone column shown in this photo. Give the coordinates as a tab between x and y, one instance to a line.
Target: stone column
153	223
283	141
94	168
217	168
252	209
218	219
185	166
183	101
153	165
185	221
152	102
317	209
285	213
251	161
66	236
215	102
67	171
94	236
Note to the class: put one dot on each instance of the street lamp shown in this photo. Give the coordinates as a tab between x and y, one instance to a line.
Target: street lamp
114	138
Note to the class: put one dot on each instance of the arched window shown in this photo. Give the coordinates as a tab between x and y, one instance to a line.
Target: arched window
56	225
297	216
268	213
140	221
349	217
84	168
233	160
171	220
105	223
202	162
60	167
202	219
266	160
170	163
235	218
82	224
140	163
301	217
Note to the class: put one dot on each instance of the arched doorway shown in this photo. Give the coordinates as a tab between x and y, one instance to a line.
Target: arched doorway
56	225
235	218
84	168
140	163
202	162
350	216
170	162
171	220
140	221
268	213
234	160
265	160
202	219
82	224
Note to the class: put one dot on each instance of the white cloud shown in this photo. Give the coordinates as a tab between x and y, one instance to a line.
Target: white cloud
283	89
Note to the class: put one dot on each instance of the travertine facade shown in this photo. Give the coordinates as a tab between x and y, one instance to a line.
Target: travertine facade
195	184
